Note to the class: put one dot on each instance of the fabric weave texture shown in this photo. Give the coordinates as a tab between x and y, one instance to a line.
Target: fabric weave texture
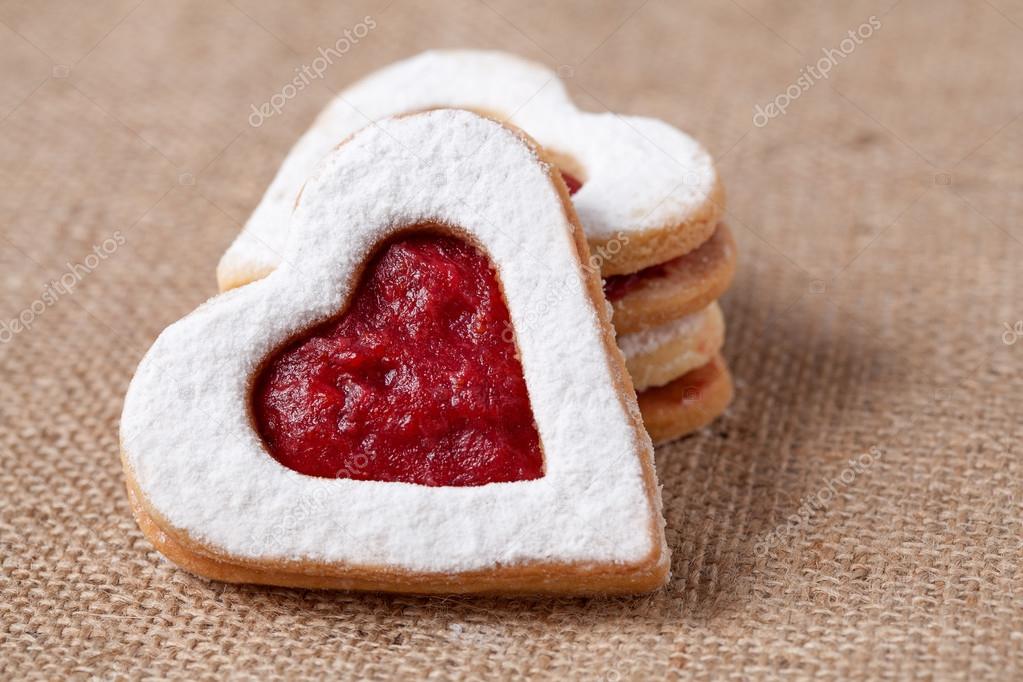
856	514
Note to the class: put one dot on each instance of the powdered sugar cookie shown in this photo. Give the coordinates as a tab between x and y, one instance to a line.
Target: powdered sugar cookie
646	191
665	292
688	403
359	420
661	354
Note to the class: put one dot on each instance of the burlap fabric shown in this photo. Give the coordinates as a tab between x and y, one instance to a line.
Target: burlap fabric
856	514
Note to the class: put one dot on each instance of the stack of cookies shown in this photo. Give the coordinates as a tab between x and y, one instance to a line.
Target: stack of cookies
671	331
647	196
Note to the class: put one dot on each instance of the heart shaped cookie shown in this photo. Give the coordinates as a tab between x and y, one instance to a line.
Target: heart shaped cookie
411	248
647	192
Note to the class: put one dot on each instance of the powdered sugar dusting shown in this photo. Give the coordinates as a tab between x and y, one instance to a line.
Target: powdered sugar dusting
649	340
640	173
197	459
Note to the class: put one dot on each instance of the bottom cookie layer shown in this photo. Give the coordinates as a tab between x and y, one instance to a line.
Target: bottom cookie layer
551	579
688	403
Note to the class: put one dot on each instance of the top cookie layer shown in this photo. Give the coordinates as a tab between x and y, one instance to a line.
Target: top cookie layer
188	438
647	187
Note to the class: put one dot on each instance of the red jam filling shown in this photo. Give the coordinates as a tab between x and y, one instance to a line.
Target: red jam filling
417	381
573	183
617	286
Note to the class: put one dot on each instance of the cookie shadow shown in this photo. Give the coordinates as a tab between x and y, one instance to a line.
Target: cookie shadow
813	380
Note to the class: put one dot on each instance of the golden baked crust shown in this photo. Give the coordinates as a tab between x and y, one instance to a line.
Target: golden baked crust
228	279
689	284
689	403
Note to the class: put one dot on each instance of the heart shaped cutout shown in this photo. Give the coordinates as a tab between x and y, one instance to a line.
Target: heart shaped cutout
417	381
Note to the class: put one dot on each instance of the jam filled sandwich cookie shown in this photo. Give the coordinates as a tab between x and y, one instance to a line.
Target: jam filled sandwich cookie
403	405
647	194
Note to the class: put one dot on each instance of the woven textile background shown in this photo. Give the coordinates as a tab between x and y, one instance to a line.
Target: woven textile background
876	317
